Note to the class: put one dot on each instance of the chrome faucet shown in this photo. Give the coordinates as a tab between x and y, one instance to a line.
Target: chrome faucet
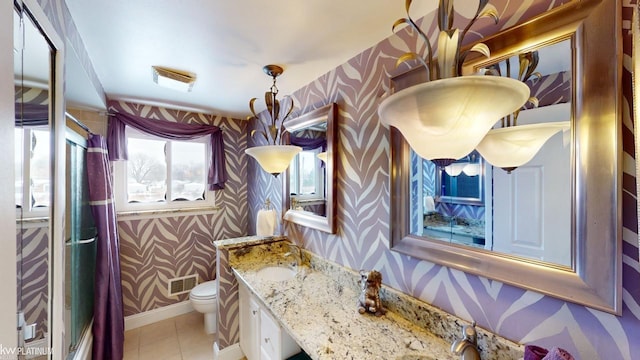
467	347
300	258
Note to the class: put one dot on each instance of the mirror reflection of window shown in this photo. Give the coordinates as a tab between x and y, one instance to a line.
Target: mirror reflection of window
33	144
461	180
452	201
307	172
19	165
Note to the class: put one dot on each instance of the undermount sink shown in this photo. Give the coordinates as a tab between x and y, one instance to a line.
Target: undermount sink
276	273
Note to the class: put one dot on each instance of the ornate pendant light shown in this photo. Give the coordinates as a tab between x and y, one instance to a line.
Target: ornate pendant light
274	157
446	118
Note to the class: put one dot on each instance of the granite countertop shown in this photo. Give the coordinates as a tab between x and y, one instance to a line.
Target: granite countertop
320	315
455	225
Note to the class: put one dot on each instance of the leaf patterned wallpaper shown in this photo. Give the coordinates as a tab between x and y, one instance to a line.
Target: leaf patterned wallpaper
33	270
363	199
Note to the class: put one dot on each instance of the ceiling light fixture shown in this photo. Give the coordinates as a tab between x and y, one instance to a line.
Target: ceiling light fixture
173	79
274	157
446	118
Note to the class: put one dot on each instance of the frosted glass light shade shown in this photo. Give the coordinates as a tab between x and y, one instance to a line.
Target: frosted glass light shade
274	159
514	146
447	118
455	168
472	169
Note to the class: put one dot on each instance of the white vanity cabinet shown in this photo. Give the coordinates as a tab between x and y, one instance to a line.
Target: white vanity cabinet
261	336
249	324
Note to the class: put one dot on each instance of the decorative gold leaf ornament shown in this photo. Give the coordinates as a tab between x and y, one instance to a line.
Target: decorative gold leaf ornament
449	58
528	62
273	128
274	157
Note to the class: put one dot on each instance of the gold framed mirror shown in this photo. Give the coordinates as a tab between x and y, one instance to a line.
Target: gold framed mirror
308	186
592	274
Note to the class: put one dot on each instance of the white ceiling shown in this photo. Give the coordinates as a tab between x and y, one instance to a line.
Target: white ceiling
226	44
31	53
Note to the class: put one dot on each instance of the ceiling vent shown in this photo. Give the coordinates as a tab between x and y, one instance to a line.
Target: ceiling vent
173	79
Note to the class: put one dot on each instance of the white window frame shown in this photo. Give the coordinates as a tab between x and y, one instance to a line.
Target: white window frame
27	211
120	180
295	172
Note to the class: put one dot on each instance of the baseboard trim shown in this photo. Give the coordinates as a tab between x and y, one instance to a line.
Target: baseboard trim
155	315
232	352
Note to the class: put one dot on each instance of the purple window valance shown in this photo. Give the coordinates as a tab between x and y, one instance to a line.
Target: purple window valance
117	143
31	114
308	143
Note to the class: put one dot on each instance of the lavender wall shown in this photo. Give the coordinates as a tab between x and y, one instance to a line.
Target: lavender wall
361	240
155	250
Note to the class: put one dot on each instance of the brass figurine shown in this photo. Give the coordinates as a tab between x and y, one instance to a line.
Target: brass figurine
369	301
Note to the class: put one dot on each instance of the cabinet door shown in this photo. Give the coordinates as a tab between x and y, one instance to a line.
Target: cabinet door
269	337
275	342
249	324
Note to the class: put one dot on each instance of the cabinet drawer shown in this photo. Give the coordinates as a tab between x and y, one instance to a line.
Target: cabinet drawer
269	337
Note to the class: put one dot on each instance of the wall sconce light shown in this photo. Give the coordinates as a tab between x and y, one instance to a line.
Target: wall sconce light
274	157
446	118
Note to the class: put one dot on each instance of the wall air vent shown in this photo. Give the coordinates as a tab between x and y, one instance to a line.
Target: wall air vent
181	285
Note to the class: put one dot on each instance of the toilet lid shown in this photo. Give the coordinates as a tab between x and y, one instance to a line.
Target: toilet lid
205	290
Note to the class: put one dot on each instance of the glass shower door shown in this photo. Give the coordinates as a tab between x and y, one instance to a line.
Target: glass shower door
80	249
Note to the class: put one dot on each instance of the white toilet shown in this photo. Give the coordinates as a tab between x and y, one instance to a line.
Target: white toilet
204	300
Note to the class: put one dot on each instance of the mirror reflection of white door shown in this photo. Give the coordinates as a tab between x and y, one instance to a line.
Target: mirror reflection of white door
533	203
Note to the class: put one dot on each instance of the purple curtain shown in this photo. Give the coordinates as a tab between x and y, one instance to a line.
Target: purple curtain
117	143
309	144
31	114
108	316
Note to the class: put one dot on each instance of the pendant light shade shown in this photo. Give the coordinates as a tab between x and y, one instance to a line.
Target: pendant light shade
447	118
514	146
455	168
472	169
274	159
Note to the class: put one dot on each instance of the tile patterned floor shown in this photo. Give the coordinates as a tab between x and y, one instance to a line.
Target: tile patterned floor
178	338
